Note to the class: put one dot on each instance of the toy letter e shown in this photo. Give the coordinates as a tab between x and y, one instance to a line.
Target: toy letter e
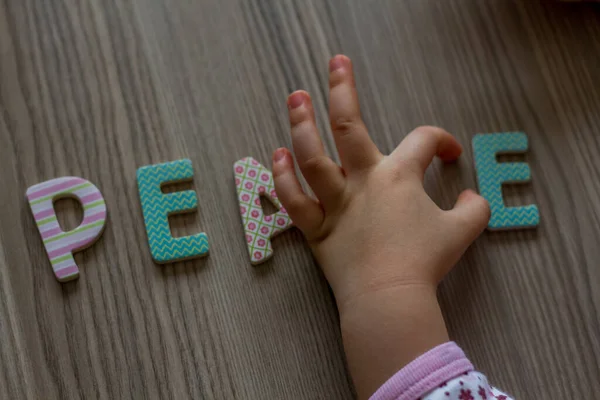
157	206
61	245
491	175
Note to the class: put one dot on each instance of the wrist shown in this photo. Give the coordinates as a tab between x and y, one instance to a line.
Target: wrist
353	287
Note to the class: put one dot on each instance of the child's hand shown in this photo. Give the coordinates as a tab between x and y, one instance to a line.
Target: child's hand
383	244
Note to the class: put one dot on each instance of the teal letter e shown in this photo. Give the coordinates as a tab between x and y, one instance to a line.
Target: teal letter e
491	175
157	206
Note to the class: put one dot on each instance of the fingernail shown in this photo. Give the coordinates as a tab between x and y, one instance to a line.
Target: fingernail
336	63
295	100
279	155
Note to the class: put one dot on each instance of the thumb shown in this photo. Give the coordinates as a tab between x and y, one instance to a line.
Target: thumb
472	214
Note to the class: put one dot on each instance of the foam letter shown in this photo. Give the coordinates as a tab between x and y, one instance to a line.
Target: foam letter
491	175
252	180
157	206
61	245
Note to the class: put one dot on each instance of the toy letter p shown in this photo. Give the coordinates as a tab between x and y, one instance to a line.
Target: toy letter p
61	245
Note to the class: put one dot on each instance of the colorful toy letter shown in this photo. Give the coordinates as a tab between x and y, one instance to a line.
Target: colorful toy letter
61	245
157	206
491	175
252	180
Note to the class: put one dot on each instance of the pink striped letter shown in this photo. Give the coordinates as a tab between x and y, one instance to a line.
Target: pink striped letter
61	245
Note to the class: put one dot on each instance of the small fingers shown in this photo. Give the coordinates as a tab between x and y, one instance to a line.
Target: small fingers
354	145
421	145
471	215
323	175
303	210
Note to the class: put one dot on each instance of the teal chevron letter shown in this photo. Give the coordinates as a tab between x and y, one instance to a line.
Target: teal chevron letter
491	175
157	206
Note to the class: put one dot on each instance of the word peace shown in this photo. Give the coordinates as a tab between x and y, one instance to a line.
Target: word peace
252	181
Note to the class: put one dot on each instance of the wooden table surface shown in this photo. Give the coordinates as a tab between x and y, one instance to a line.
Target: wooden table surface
99	88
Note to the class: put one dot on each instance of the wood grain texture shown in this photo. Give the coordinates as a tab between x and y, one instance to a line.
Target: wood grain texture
98	88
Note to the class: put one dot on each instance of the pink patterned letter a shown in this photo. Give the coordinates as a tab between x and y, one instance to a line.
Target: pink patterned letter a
252	180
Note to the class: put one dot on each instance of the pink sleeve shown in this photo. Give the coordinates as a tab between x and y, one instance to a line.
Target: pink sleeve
439	368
